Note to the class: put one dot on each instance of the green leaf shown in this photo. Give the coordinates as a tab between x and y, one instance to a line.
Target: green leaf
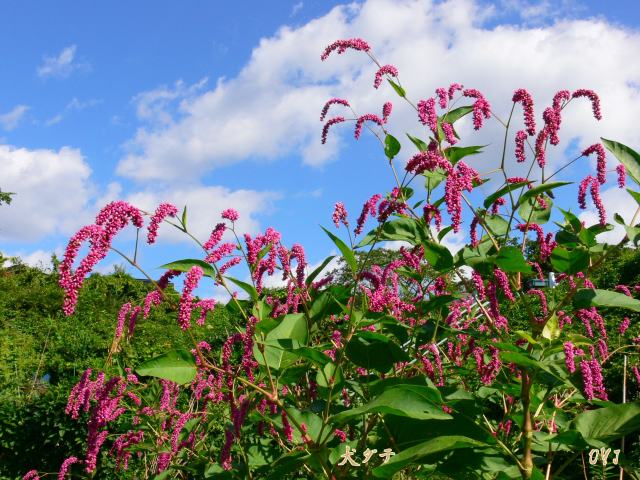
186	264
545	187
590	297
250	289
627	156
438	256
520	359
330	372
292	327
497	225
347	253
312	276
456	114
399	90
609	423
176	366
633	233
569	261
455	154
551	330
502	192
374	351
635	195
404	400
532	212
391	146
510	259
422	146
404	228
183	219
417	454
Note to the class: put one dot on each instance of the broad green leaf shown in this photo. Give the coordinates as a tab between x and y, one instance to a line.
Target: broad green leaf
511	259
455	154
532	212
502	192
391	146
415	455
347	253
420	145
497	225
520	359
456	114
590	297
176	366
633	234
404	228
551	330
569	261
535	191
609	423
330	375
399	90
413	401
438	256
627	156
292	327
250	289
374	351
186	264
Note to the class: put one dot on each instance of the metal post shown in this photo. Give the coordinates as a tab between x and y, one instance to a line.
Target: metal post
624	400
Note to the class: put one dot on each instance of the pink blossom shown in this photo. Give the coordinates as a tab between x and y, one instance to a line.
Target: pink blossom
552	121
432	213
369	208
636	373
503	282
496	205
442	95
122	315
230	214
453	88
329	123
215	237
481	107
386	111
65	467
384	70
427	114
186	300
461	180
449	134
367	117
543	299
595	101
342	436
428	161
602	160
164	210
521	137
560	97
622	175
333	101
569	351
342	45
340	215
473	233
624	325
540	152
524	97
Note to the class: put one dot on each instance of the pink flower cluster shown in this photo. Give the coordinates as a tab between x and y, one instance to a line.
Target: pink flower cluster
342	45
332	101
601	167
340	215
481	107
595	196
163	211
524	97
384	70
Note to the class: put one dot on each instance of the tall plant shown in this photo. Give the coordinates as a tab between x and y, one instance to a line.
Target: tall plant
414	365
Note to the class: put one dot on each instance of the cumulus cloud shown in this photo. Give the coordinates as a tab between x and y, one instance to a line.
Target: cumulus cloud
10	120
615	200
271	108
52	188
61	65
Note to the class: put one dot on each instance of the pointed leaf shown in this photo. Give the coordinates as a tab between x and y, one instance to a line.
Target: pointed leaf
250	289
176	366
422	146
399	90
591	297
347	253
627	156
391	146
186	264
609	423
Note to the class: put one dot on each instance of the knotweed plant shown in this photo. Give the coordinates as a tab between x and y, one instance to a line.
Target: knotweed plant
488	362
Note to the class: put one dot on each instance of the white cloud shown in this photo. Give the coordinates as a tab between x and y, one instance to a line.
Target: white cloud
296	8
61	65
53	120
79	105
271	108
38	258
52	192
10	120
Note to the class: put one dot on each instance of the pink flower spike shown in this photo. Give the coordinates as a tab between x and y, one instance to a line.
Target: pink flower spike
342	45
384	70
231	214
386	111
453	88
65	467
186	300
521	137
333	101
340	215
622	175
447	128
367	117
525	99
325	128
442	97
595	101
427	114
598	149
164	210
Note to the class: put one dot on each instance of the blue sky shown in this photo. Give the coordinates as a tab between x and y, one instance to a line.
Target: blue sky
216	105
